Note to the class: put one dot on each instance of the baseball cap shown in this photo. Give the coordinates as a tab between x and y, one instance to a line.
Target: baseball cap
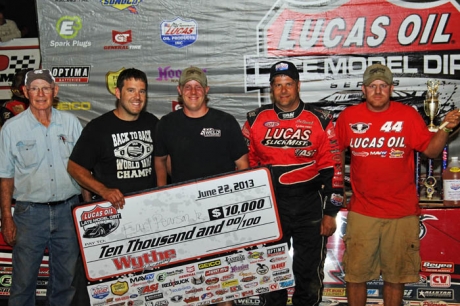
195	74
286	68
39	74
377	72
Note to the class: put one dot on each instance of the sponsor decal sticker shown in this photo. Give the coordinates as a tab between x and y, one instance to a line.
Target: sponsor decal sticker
179	32
130	5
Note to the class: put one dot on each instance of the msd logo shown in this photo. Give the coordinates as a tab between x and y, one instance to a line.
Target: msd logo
440	280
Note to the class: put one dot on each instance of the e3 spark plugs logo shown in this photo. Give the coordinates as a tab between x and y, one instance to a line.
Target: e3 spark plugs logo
68	28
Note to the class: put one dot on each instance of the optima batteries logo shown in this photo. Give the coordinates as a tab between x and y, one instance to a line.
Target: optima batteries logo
68	28
179	33
129	5
71	74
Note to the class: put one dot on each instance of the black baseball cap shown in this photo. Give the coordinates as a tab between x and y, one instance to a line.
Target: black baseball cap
39	74
286	68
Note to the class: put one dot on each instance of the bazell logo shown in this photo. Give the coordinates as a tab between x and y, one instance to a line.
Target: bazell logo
179	33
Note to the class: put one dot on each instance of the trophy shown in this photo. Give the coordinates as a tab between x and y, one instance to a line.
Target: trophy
431	103
430	184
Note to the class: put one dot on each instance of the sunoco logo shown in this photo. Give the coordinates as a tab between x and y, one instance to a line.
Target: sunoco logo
129	5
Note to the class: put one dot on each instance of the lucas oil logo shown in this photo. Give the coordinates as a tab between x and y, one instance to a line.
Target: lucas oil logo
100	221
179	32
287	137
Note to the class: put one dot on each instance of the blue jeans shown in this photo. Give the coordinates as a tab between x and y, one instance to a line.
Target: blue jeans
39	226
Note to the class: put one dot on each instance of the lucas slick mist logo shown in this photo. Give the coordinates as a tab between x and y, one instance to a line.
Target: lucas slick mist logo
210	132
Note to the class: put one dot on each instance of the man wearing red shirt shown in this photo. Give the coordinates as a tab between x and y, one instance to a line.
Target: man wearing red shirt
299	141
382	236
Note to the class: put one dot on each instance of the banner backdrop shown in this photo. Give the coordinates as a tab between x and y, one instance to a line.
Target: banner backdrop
87	43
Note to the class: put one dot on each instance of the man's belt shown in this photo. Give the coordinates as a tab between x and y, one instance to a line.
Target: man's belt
55	202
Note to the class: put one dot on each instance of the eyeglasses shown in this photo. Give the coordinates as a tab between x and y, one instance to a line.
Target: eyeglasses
45	90
381	86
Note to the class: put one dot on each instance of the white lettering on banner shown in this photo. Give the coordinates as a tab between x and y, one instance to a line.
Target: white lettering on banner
170	225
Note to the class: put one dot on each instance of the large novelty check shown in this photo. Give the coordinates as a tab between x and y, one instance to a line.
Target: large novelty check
179	223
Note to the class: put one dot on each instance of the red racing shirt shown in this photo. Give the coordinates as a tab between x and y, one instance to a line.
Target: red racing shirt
382	166
302	148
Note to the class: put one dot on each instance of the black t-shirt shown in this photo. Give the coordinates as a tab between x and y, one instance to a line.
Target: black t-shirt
199	147
118	152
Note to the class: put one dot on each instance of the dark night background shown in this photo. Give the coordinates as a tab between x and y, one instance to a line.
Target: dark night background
23	12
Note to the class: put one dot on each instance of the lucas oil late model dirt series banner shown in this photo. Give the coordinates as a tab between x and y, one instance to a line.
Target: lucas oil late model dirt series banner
331	42
175	224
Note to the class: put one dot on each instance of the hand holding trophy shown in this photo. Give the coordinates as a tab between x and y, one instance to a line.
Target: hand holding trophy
431	103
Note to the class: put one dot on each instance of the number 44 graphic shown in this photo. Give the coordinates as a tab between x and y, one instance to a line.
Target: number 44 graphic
391	126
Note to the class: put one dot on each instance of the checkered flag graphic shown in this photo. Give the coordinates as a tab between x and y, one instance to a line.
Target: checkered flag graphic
21	62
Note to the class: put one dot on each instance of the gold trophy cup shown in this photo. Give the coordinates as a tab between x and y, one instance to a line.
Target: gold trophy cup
431	103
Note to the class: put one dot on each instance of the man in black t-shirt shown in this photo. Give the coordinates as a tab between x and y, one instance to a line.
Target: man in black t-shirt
200	141
113	155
